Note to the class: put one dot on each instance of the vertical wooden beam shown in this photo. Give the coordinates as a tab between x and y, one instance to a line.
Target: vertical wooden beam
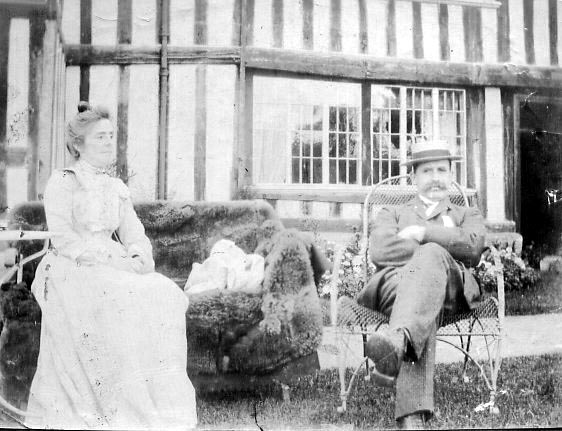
36	37
391	29
200	25
476	142
366	132
503	31
124	36
445	48
335	25
472	23
277	23
511	170
162	166
123	123
236	22
553	31
417	31
308	24
200	145
248	27
85	39
363	28
4	48
528	12
124	21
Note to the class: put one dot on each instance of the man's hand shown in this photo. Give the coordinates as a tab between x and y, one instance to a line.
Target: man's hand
414	232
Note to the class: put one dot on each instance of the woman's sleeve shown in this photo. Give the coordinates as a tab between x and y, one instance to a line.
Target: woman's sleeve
58	211
131	232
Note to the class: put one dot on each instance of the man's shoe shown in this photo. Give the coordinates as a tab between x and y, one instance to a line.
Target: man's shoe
415	421
386	349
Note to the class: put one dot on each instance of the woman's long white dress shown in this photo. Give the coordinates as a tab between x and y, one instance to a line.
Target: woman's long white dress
113	340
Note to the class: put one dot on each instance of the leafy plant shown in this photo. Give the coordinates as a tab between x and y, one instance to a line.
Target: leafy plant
518	275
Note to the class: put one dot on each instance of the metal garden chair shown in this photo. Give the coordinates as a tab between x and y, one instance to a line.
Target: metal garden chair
348	318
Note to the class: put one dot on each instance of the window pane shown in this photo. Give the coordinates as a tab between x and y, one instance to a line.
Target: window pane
342	119
306	171
395	168
317	117
342	172
306	144
377	146
394	121
427	100
352	172
296	146
353	119
332	143
317	150
395	147
342	145
295	166
384	171
353	146
375	171
333	172
333	117
317	171
395	98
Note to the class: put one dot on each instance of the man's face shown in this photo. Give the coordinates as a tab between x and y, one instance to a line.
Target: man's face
433	179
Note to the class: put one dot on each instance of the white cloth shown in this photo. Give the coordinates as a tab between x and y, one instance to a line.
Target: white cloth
430	207
113	350
227	267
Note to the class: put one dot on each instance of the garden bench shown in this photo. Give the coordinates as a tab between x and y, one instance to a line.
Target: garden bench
183	233
348	318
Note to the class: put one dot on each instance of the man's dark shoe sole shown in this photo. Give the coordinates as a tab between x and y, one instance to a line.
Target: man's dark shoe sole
387	355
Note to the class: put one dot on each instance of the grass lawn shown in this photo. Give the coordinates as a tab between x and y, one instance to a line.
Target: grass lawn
531	396
545	297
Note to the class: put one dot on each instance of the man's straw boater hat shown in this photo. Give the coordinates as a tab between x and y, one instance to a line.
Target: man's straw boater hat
429	151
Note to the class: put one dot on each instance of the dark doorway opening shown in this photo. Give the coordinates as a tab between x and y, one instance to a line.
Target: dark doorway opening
540	140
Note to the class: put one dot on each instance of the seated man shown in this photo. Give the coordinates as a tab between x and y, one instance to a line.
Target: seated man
422	250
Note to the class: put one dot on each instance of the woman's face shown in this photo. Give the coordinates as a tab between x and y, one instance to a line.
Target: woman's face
98	148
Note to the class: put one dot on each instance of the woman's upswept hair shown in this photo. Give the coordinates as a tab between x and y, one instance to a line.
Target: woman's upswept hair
77	128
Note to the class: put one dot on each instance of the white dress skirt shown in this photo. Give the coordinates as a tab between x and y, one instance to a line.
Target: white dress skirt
113	338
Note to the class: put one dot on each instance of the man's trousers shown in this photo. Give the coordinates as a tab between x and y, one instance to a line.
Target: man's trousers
414	297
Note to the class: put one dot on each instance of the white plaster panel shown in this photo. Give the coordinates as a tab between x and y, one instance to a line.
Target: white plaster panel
220	22
292	24
104	87
489	35
404	29
456	34
221	92
70	21
494	154
517	32
288	209
320	210
263	25
350	211
430	30
144	23
559	8
17	113
321	30
376	27
142	145
541	33
182	16
181	131
350	26
16	185
104	22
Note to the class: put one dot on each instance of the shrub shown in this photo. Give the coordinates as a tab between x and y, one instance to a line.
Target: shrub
350	277
518	275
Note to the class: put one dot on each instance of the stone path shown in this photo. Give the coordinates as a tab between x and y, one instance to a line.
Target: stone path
524	336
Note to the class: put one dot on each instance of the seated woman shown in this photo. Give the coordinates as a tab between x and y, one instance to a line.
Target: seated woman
113	337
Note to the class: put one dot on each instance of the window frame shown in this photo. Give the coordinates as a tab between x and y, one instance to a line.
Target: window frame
360	130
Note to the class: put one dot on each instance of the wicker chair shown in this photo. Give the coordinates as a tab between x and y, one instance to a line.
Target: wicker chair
348	318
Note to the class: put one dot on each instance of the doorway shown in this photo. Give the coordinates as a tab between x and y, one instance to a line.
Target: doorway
540	144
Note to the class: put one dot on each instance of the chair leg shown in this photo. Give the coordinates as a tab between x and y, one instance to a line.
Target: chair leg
465	378
367	368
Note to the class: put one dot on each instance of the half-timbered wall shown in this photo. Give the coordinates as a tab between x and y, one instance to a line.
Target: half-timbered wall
32	82
177	76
